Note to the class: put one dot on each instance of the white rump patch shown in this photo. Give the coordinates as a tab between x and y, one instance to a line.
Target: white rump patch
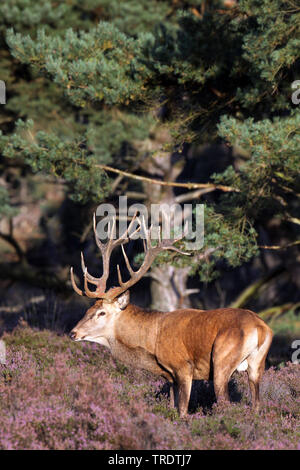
243	366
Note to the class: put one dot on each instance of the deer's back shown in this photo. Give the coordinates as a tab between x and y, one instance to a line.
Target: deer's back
188	336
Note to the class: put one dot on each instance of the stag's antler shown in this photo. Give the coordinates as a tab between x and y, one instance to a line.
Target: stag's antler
106	249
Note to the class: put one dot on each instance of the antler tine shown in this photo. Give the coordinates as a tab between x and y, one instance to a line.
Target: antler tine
185	232
110	234
113	225
76	289
99	244
129	227
119	276
147	232
159	235
88	292
173	248
124	238
138	229
150	254
90	278
106	249
168	244
127	262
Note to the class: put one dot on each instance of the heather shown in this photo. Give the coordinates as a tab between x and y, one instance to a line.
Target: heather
56	394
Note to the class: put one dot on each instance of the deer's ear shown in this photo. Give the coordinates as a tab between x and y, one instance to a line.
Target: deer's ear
123	300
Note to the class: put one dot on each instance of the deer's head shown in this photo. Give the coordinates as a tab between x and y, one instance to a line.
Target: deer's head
98	322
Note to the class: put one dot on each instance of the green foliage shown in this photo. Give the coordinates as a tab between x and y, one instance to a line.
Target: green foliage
33	96
26	13
89	74
115	137
47	153
269	178
6	210
98	64
137	16
240	62
233	239
272	47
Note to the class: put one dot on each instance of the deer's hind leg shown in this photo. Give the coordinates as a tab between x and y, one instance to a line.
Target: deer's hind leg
226	356
256	364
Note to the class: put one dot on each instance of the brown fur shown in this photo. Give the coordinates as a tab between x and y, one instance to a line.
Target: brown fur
183	345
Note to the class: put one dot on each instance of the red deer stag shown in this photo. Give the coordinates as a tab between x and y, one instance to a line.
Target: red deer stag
181	345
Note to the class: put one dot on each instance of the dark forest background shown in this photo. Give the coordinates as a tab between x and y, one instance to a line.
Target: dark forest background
177	91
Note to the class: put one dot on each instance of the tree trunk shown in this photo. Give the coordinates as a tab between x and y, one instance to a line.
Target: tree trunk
168	288
168	284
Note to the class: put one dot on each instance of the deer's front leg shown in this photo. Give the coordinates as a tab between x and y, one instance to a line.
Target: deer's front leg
184	381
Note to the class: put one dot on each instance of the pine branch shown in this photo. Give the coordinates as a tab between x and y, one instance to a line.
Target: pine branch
277	247
168	183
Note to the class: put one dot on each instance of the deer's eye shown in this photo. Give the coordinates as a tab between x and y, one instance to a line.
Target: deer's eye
100	314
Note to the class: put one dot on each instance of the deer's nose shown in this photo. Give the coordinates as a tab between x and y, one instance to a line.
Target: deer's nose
72	335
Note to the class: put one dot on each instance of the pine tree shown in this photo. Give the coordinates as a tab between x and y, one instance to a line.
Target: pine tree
92	83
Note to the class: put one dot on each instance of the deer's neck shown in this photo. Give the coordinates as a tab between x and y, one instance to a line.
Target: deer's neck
137	328
134	339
